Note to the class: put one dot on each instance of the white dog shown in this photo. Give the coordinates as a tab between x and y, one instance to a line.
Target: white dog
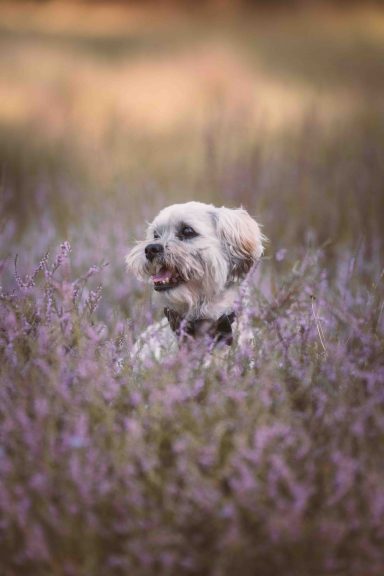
194	255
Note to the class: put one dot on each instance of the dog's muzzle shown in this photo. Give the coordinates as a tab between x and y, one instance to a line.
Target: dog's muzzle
164	278
153	250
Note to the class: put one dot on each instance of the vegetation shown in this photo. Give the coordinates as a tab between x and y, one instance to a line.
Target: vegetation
272	462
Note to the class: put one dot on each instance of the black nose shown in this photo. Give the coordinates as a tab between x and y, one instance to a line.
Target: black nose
153	250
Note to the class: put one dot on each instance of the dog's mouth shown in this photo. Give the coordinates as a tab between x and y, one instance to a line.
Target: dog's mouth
166	279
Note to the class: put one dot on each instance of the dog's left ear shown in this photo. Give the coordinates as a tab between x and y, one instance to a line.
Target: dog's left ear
241	237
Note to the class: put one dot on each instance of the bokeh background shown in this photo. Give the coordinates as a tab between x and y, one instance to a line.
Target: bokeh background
110	111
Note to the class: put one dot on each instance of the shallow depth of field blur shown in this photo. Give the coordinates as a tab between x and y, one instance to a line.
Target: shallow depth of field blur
272	462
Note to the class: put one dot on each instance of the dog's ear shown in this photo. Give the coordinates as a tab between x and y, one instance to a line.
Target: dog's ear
241	237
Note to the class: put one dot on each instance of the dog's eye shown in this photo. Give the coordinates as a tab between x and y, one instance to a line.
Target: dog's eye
187	232
156	235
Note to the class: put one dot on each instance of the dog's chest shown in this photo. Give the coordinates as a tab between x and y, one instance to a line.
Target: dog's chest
158	342
155	343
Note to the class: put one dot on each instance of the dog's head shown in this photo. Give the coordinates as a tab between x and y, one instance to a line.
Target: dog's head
193	251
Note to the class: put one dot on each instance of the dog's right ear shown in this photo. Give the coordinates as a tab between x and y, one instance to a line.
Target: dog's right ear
241	237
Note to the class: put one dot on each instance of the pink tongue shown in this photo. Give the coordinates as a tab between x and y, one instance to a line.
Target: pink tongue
164	276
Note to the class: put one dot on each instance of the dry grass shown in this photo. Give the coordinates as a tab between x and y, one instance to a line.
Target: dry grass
81	69
97	100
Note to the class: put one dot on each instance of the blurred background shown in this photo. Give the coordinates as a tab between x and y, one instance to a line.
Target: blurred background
109	111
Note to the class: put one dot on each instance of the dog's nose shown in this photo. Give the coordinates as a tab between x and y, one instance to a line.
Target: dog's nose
153	250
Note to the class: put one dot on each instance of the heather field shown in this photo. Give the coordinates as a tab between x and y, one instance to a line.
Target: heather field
270	463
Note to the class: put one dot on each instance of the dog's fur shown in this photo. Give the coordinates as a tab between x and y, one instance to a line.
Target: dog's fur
195	255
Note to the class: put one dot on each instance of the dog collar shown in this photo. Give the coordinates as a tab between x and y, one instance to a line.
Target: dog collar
219	330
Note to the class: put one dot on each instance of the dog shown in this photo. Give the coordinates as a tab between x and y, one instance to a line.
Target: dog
194	256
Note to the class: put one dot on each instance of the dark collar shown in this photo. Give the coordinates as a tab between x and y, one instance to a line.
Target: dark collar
219	330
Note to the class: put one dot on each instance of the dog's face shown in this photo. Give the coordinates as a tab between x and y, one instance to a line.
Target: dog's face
193	251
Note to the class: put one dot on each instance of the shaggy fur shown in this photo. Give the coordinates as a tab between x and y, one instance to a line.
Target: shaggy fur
195	255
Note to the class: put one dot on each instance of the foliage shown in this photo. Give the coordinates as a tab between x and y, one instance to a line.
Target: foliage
269	463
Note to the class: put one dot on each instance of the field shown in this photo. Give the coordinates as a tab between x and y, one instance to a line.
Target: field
271	463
